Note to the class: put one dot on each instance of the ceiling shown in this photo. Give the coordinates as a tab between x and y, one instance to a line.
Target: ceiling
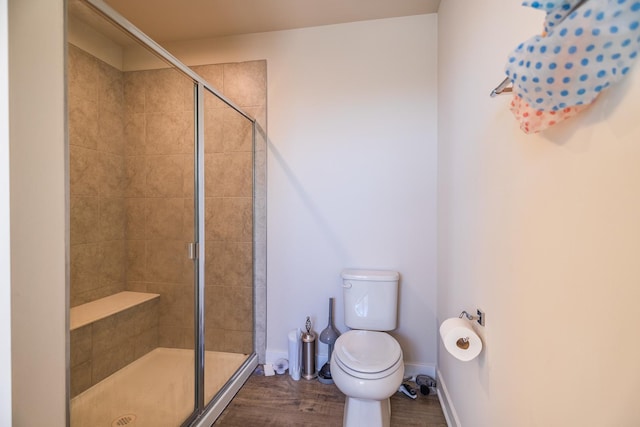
172	20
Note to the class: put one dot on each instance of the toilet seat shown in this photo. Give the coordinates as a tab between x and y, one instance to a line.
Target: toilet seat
367	354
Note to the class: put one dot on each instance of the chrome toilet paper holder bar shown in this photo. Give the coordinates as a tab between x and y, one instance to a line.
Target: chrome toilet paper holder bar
479	317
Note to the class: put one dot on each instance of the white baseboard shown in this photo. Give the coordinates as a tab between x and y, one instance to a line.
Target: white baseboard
445	401
413	369
410	369
273	355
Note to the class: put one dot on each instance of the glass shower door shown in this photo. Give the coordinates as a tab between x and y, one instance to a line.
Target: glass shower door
228	214
163	206
132	151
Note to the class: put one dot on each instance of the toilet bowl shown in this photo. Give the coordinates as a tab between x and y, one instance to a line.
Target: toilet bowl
367	363
367	367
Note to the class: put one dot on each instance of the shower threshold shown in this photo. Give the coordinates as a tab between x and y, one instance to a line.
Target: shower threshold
154	391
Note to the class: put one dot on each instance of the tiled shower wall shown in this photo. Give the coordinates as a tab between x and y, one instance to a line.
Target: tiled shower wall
229	203
97	147
159	196
97	223
132	194
159	200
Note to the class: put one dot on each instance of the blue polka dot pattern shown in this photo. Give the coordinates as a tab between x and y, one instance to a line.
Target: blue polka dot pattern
585	51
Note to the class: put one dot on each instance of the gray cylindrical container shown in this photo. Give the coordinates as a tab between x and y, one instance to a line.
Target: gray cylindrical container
308	353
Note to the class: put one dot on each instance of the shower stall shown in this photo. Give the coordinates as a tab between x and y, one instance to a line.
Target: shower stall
167	239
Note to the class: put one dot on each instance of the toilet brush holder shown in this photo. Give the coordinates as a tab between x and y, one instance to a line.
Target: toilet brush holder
328	336
308	352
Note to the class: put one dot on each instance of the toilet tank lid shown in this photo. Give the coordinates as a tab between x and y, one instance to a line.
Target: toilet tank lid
370	275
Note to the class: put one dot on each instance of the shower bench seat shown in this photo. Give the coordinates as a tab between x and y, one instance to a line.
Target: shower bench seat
108	334
93	311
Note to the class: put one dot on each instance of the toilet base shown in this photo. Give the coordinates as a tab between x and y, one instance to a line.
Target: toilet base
366	413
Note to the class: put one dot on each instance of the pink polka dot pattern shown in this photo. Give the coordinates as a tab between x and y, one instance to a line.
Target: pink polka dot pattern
534	121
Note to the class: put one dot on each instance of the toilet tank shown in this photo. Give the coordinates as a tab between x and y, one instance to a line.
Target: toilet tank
370	299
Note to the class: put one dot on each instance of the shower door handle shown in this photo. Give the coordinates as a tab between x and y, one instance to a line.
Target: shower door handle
193	250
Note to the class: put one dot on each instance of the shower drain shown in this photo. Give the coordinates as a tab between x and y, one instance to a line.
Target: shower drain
124	420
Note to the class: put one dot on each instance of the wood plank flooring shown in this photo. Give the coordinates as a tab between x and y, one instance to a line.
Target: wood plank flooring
279	401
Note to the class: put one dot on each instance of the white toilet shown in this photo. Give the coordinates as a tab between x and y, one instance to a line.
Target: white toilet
367	364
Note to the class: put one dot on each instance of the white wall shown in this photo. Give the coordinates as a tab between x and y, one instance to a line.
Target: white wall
542	232
38	226
88	39
5	254
351	167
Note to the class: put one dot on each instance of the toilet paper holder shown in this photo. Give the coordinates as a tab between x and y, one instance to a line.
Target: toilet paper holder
479	317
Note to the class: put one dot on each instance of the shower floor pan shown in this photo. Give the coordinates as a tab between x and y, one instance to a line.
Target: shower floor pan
154	391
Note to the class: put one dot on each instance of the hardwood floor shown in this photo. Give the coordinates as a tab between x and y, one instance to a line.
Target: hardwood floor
280	401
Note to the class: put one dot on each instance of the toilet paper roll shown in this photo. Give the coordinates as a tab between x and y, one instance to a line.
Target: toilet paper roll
295	354
460	339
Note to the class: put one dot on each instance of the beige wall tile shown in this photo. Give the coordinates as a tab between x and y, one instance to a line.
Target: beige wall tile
237	219
168	91
145	316
82	74
188	188
164	219
146	341
214	303
260	176
134	134
215	263
111	136
213	74
238	342
246	82
238	174
165	176
135	218
214	174
237	131
83	122
136	265
84	219
239	266
86	260
135	286
106	363
259	113
165	260
112	223
80	378
111	173
133	89
188	270
103	290
169	133
213	129
135	176
188	228
238	312
112	267
80	345
83	164
110	88
106	335
214	340
214	219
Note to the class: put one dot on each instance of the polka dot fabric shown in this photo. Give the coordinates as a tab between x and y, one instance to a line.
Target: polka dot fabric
582	52
532	121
